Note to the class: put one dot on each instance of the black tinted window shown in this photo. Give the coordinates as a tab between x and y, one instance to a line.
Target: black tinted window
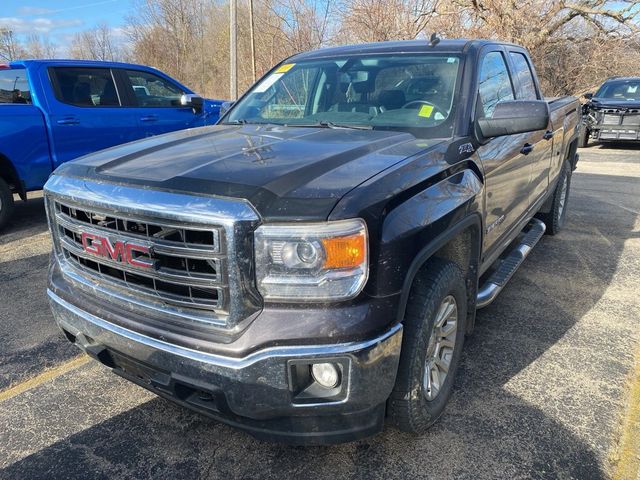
14	86
524	76
494	83
153	91
85	87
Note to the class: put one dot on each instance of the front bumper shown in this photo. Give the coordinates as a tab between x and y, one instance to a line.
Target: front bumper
256	392
615	133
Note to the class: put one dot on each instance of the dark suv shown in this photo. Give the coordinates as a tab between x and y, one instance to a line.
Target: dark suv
613	113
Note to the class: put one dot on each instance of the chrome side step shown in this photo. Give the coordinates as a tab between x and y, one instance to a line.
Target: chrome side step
488	292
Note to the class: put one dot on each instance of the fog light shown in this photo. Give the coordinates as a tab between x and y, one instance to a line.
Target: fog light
326	374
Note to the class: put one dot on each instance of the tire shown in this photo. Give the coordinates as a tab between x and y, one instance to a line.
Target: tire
555	219
583	137
6	203
414	405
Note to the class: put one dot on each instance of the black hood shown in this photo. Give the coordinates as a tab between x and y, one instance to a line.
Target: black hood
285	172
619	104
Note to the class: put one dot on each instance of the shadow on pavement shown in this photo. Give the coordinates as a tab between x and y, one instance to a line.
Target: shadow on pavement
29	218
616	145
486	432
29	339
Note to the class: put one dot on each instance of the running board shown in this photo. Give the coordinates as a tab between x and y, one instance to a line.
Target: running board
508	266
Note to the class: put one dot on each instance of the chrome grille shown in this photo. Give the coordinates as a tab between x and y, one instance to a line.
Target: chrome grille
188	262
188	276
631	120
611	119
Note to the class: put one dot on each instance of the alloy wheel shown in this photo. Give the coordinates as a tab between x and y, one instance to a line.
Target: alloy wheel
440	349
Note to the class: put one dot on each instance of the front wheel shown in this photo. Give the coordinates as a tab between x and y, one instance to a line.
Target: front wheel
431	346
6	203
583	137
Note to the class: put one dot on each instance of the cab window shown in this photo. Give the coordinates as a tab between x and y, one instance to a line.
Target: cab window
14	86
153	91
85	87
494	85
522	71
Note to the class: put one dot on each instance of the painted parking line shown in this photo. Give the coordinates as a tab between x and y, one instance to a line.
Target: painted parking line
45	376
628	461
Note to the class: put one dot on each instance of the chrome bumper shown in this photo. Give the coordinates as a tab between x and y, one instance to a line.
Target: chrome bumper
256	387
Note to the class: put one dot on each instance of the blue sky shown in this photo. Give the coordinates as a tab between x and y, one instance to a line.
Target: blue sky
60	19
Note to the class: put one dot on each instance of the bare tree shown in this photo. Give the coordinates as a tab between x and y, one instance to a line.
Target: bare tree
39	46
575	43
9	46
95	44
381	20
303	23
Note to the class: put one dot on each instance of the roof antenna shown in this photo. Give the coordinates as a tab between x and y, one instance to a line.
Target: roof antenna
434	40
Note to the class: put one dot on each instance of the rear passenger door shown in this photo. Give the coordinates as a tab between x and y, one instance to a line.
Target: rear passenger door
156	102
541	141
86	112
507	169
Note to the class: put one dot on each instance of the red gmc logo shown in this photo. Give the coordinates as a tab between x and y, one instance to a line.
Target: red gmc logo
123	252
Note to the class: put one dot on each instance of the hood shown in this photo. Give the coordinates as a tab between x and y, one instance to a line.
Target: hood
285	172
610	103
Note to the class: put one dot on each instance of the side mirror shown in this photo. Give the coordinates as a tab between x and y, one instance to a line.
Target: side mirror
518	116
588	95
194	101
225	107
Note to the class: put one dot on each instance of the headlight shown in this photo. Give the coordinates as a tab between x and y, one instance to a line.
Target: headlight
312	262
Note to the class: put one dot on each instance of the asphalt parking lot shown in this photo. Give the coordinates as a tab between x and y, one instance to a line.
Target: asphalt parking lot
545	389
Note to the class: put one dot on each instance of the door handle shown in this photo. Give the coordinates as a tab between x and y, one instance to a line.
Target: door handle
526	149
149	118
68	121
548	135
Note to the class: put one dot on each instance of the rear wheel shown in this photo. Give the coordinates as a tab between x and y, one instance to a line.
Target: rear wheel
431	346
555	218
6	203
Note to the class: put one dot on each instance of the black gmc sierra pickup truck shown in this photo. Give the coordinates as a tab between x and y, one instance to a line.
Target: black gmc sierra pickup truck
309	267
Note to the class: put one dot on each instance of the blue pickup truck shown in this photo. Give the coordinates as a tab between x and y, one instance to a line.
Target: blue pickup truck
52	111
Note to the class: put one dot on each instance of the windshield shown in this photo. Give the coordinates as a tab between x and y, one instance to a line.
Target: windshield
413	93
620	90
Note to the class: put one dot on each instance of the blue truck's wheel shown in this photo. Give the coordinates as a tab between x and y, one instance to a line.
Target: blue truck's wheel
431	346
6	203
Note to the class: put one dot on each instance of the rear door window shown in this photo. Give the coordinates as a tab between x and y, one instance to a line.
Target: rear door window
524	77
153	91
85	87
14	86
494	84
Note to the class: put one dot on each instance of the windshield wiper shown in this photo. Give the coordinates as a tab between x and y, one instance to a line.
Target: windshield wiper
328	124
343	125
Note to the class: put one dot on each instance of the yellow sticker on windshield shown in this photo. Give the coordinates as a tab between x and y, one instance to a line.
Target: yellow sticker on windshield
425	111
285	68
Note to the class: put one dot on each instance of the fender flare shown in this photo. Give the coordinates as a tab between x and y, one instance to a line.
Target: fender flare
472	220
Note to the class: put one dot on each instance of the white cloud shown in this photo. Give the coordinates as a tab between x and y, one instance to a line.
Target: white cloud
36	25
34	11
